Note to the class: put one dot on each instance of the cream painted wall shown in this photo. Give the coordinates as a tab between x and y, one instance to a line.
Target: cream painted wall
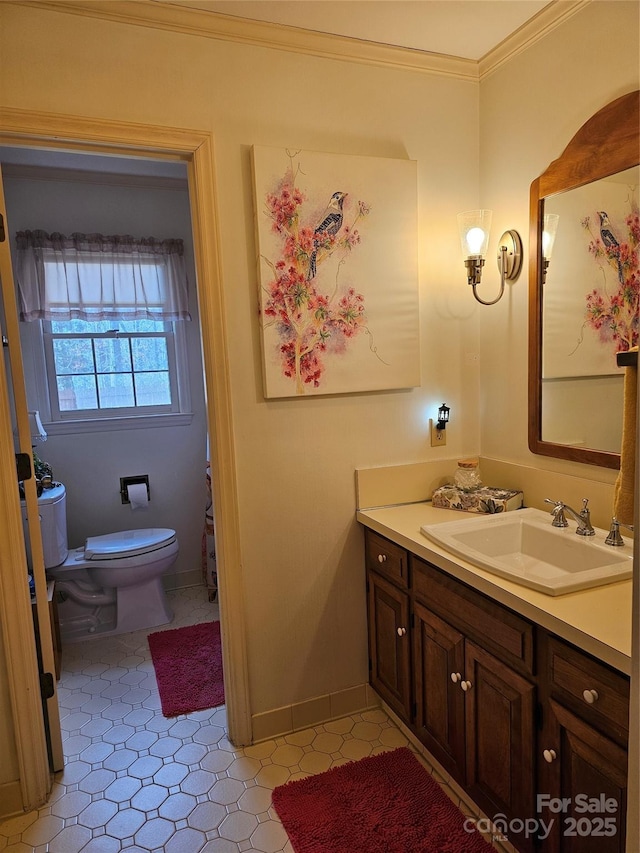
302	550
530	108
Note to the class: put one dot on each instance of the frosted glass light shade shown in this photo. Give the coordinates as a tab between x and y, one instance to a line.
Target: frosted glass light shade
474	227
549	230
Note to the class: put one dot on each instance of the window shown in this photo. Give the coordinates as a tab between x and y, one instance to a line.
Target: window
110	368
108	339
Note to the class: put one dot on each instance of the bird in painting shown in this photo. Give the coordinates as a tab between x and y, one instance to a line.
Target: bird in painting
609	239
328	227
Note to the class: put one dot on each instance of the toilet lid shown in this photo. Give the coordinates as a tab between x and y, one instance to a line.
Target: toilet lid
127	543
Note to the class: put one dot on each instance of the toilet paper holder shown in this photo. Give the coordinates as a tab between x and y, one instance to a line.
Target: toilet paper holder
141	479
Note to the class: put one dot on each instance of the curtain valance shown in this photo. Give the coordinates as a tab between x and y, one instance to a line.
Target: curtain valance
97	277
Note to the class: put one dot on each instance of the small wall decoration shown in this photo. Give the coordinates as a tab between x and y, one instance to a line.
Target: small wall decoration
338	279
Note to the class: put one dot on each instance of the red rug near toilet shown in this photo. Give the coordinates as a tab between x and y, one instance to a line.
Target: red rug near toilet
385	803
188	665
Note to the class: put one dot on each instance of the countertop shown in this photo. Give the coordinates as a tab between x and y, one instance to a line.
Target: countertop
597	620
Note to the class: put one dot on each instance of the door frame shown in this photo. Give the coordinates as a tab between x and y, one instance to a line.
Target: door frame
195	147
33	536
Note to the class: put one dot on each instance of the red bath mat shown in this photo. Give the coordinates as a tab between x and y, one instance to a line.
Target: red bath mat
188	665
385	803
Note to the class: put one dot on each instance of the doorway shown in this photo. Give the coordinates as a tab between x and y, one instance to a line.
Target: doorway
196	150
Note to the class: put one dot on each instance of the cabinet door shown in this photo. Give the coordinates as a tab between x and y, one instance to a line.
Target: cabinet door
389	649
438	659
588	772
500	733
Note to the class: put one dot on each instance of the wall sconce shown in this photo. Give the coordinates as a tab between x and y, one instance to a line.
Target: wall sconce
474	227
549	230
443	416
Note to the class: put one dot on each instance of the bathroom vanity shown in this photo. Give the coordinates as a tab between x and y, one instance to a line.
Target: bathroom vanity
522	697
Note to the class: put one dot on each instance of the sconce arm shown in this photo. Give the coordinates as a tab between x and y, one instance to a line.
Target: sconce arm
502	265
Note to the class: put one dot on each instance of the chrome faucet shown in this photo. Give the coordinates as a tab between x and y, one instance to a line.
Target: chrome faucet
614	537
582	518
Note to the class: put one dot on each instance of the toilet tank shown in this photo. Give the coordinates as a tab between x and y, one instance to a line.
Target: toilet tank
52	509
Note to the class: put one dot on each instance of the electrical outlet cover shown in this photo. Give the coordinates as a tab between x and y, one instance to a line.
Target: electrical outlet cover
438	436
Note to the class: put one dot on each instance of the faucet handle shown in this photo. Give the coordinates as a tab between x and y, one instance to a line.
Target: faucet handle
614	537
559	519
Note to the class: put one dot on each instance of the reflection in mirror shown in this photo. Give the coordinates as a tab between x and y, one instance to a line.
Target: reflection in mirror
584	288
589	310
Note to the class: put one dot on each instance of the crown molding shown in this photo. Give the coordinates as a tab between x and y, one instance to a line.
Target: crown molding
536	28
196	22
165	15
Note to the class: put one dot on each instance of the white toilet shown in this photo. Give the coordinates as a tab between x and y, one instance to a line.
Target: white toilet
113	584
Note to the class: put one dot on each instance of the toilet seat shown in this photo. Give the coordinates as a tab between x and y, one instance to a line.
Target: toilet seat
128	543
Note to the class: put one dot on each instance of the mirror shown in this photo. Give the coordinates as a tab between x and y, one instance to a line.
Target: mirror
582	309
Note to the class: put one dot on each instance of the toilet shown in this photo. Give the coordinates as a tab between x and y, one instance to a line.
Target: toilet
112	584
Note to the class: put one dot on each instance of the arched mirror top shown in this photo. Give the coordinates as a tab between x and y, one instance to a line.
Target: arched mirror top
563	387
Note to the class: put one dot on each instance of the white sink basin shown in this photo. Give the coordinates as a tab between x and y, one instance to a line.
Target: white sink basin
523	546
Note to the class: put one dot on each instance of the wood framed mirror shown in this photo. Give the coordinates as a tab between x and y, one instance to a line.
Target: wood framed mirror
575	401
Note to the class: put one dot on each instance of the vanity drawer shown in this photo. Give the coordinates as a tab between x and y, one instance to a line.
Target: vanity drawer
386	558
496	628
600	694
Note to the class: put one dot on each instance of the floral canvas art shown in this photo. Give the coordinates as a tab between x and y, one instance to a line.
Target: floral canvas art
592	291
613	312
337	272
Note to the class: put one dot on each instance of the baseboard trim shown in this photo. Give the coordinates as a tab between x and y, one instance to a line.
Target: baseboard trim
312	712
182	580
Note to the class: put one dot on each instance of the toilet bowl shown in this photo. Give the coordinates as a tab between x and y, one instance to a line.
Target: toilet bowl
112	584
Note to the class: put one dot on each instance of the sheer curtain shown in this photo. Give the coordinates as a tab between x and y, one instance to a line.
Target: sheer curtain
97	277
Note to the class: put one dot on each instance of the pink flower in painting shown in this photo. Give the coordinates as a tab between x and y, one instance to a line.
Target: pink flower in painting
283	206
350	237
310	323
615	315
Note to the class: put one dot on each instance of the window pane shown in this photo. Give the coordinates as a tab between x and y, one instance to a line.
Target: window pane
140	325
65	327
103	370
152	389
77	392
112	355
73	356
116	390
149	354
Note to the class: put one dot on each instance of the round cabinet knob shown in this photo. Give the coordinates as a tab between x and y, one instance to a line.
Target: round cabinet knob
590	696
455	677
466	685
382	558
402	632
549	755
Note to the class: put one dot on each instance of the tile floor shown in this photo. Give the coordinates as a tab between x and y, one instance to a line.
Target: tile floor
139	782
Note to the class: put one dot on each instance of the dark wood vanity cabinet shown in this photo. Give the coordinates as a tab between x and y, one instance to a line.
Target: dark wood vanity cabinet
438	664
389	634
474	698
583	751
513	713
